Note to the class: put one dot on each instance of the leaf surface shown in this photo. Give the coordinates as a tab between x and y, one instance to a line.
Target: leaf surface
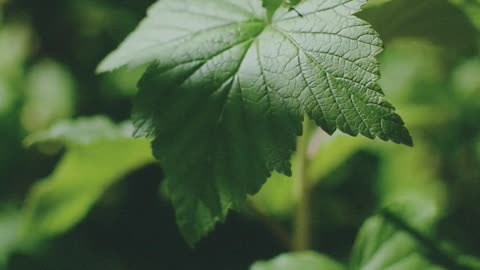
228	87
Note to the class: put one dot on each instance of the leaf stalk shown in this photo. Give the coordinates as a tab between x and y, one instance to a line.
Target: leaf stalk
303	227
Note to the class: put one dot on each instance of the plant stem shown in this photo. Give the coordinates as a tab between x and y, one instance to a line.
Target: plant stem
302	230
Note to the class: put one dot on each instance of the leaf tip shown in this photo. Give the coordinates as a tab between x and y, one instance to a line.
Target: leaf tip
103	67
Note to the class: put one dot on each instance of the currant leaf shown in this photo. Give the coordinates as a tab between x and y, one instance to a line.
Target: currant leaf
228	87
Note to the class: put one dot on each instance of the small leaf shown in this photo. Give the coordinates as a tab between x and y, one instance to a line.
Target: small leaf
81	132
382	246
228	89
299	261
90	166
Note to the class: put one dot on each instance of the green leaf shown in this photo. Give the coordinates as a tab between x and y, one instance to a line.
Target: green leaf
382	246
80	132
299	261
98	154
228	89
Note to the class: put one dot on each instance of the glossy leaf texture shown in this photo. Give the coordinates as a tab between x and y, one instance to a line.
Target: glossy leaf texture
98	154
228	87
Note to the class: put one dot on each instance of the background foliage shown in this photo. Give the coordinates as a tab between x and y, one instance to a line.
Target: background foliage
76	192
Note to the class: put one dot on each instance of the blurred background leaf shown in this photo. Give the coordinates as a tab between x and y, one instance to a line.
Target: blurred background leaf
98	154
380	245
436	20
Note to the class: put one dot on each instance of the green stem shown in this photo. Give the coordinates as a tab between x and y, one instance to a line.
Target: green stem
303	227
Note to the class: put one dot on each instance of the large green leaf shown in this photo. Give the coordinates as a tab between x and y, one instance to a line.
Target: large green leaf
299	261
98	154
229	87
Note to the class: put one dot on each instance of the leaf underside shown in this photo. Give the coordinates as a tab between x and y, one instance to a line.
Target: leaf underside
227	89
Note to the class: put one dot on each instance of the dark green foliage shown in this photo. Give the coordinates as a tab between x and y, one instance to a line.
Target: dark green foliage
83	198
